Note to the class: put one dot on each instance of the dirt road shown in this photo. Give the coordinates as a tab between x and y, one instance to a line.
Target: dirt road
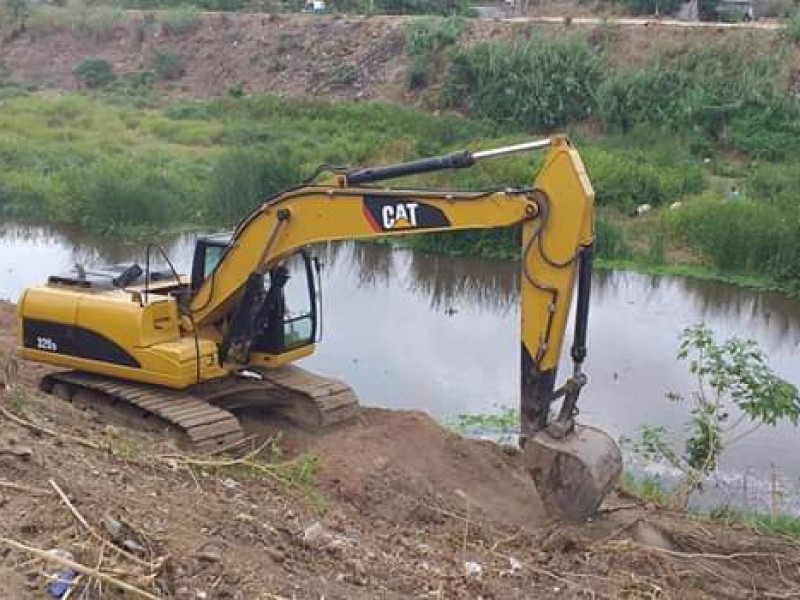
647	22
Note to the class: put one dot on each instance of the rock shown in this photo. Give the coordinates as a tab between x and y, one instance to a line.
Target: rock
472	569
209	556
114	528
22	452
314	534
275	554
133	546
514	567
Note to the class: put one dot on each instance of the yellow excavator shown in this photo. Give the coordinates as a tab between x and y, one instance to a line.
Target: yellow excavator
194	350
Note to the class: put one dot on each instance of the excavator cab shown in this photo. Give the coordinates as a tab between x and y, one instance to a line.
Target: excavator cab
282	310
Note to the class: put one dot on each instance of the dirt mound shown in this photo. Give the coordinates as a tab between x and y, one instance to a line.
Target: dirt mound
400	457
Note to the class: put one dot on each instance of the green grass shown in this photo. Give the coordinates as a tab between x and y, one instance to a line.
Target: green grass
765	524
125	160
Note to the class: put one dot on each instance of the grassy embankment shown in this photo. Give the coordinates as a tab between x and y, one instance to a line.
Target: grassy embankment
686	122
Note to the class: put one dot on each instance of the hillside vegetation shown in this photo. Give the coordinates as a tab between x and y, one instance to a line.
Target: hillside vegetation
710	121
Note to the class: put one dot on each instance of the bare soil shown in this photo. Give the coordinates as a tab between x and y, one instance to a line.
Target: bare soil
293	55
398	508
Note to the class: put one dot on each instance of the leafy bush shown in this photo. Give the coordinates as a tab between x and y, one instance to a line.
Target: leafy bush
137	83
743	236
96	22
116	193
181	20
344	74
419	74
725	93
95	73
241	179
775	183
768	130
624	180
610	241
732	377
424	37
168	65
425	41
532	84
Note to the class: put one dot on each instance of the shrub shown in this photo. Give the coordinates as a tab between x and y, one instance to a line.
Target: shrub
344	74
732	377
624	180
425	37
168	65
610	240
181	20
419	74
425	41
422	7
241	179
116	193
137	83
532	84
95	73
743	236
236	90
96	22
769	130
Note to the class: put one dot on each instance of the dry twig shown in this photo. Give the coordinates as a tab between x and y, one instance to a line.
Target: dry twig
52	433
79	517
88	571
24	488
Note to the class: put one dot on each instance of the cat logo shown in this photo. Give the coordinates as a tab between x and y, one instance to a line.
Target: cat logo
392	213
400	216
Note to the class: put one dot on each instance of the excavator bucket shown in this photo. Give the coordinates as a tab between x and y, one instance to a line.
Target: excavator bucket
573	474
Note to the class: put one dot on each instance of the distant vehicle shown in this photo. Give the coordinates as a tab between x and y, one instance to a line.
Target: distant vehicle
317	7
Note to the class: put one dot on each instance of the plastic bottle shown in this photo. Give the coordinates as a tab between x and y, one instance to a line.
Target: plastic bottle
62	579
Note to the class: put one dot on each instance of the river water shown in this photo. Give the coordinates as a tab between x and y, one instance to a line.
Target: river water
440	334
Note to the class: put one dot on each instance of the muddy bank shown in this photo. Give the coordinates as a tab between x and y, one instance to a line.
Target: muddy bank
391	505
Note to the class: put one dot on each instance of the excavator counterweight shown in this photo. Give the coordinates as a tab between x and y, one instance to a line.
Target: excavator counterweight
193	350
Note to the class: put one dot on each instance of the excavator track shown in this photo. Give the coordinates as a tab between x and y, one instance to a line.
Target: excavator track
205	413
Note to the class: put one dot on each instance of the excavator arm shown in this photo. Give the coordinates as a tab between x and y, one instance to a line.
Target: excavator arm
556	215
556	218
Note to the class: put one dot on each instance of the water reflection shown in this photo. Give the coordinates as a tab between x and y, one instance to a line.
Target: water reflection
451	285
441	334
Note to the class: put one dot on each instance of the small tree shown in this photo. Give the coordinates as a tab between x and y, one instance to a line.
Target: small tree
732	377
168	65
95	73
